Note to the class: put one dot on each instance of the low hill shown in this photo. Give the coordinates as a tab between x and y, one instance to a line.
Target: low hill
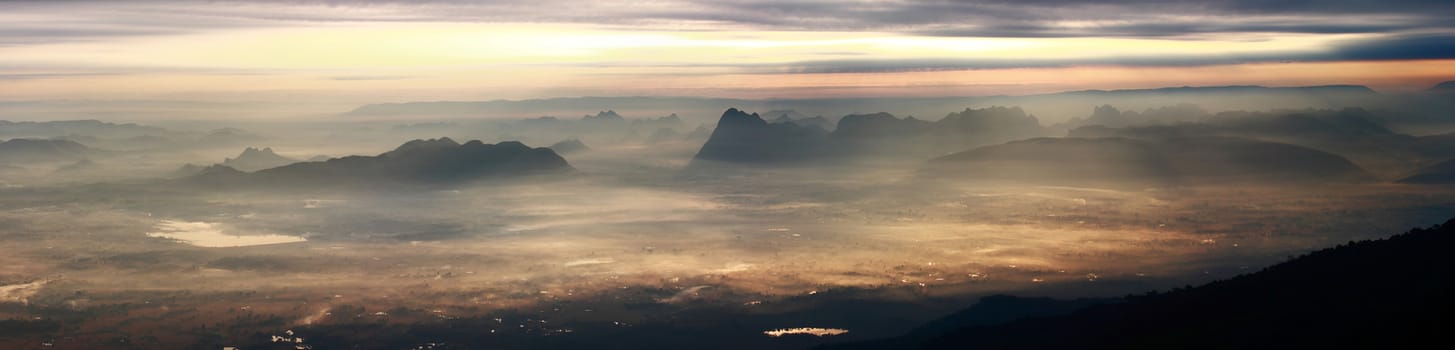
1439	173
419	162
1352	132
38	150
1444	87
1145	162
569	146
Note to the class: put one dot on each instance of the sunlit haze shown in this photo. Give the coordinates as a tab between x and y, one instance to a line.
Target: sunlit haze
384	51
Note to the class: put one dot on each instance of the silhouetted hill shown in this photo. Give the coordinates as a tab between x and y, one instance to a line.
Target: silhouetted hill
1445	86
254	159
1165	161
1322	127
219	176
1391	293
699	133
1109	116
186	170
664	135
1438	147
418	162
983	126
671	121
607	116
1351	133
569	146
746	138
791	116
883	134
36	150
863	127
1439	173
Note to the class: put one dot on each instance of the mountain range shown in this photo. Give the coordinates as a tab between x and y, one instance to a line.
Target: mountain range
746	138
1053	104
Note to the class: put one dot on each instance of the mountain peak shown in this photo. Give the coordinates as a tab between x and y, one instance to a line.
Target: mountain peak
606	115
254	159
741	137
733	117
254	152
419	144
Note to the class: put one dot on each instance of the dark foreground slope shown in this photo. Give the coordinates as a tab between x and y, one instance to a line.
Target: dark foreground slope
418	162
990	310
1393	293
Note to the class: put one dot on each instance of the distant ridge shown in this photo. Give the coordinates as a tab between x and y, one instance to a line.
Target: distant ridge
38	150
1439	173
254	159
569	146
419	162
1446	86
1303	97
1156	162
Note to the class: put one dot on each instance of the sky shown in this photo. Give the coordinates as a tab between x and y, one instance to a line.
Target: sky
393	51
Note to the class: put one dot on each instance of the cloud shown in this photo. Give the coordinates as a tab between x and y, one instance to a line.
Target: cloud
29	76
1393	47
1177	28
33	21
370	77
921	65
1421	46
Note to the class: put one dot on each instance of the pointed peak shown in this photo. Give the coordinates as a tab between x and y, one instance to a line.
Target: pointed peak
734	116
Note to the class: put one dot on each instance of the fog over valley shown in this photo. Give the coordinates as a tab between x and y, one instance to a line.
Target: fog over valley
626	222
686	174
